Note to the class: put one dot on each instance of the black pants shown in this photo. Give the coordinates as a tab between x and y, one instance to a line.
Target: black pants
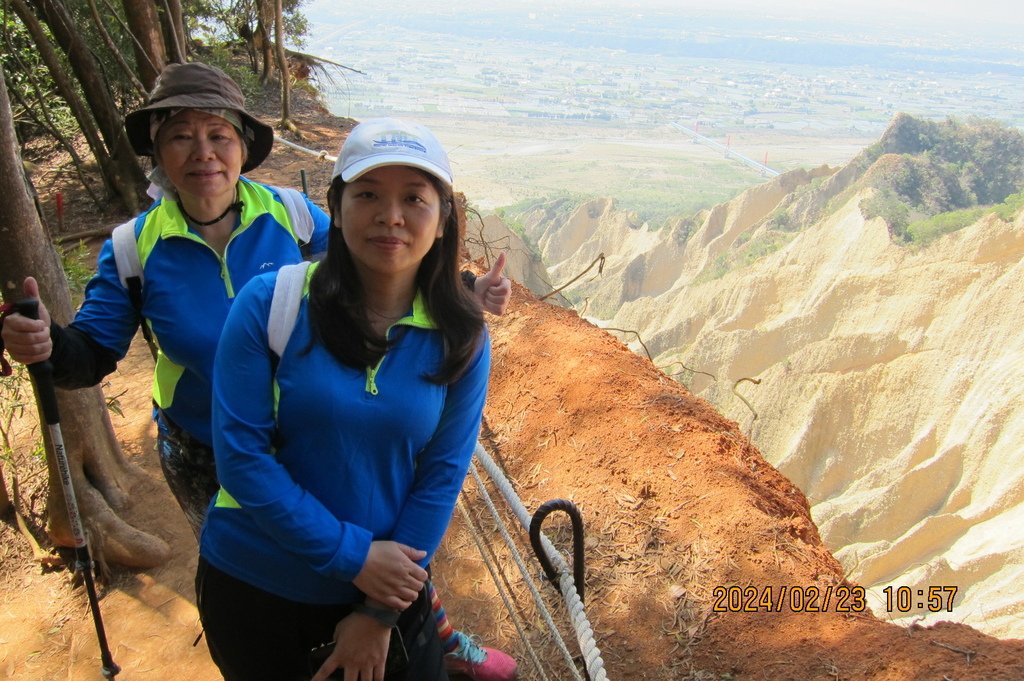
257	636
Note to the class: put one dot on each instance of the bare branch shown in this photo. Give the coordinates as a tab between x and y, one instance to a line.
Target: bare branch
635	333
755	381
600	269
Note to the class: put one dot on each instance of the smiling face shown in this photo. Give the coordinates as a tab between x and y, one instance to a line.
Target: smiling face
390	218
201	154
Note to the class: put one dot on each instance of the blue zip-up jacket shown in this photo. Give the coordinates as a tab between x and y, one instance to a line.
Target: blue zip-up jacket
353	455
187	292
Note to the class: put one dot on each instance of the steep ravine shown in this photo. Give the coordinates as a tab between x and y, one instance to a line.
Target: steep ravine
891	378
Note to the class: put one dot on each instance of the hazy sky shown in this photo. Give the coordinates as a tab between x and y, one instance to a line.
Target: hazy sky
1001	17
992	12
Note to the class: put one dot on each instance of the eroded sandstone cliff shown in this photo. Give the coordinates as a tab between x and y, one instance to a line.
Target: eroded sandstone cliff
886	380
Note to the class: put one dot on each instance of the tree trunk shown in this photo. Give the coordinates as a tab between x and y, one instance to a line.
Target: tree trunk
126	68
265	24
173	24
70	94
282	66
101	477
129	179
150	52
246	33
41	114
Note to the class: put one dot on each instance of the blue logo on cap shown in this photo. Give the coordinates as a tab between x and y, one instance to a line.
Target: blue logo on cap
397	139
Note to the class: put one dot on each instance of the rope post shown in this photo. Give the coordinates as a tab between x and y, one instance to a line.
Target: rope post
543	512
302	177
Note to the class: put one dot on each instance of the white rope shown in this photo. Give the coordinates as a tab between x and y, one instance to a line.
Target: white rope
503	590
322	155
528	580
584	632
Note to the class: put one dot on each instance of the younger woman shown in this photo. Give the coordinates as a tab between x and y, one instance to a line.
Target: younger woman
340	461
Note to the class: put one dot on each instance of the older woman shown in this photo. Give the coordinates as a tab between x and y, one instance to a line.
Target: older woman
208	233
335	492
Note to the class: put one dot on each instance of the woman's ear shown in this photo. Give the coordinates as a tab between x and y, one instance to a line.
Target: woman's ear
446	212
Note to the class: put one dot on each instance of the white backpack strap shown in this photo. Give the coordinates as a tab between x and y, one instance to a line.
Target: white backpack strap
284	306
126	252
129	271
298	211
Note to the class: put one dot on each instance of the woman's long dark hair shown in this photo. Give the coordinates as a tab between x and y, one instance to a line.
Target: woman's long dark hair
337	302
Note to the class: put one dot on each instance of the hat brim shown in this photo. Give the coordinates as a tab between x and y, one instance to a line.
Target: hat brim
357	170
136	124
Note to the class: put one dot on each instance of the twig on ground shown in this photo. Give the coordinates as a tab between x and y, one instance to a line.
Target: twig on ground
969	654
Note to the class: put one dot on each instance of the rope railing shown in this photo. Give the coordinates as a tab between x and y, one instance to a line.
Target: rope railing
322	154
504	589
593	662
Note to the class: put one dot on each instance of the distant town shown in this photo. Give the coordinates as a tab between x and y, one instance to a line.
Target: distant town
501	63
635	75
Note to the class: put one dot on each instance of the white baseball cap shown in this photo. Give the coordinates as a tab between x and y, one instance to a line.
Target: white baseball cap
378	142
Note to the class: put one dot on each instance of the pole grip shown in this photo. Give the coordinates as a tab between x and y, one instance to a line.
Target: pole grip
41	372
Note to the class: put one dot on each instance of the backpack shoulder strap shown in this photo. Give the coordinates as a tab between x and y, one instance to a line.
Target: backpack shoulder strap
129	271
298	212
284	306
126	252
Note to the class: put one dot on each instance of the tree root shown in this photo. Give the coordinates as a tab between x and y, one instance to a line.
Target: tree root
102	480
38	554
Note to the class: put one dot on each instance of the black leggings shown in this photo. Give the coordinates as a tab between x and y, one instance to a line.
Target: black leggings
257	636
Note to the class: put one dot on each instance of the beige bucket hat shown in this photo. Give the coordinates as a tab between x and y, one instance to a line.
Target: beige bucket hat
198	86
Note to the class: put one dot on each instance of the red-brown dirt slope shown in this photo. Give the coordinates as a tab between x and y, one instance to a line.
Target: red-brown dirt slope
676	502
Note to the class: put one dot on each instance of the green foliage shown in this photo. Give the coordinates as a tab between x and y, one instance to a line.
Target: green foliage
15	397
1011	207
782	220
222	55
219	22
29	83
678	188
941	166
513	223
78	270
296	26
748	250
716	270
925	231
685	228
766	243
888	205
929	229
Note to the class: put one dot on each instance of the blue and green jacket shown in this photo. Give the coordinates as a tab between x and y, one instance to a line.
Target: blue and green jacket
187	293
316	459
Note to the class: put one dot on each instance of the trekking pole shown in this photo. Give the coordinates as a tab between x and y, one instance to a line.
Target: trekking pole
42	375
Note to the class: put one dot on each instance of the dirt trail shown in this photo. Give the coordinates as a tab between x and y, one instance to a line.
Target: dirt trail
675	499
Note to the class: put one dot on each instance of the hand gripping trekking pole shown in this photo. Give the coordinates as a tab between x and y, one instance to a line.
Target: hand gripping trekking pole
42	375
